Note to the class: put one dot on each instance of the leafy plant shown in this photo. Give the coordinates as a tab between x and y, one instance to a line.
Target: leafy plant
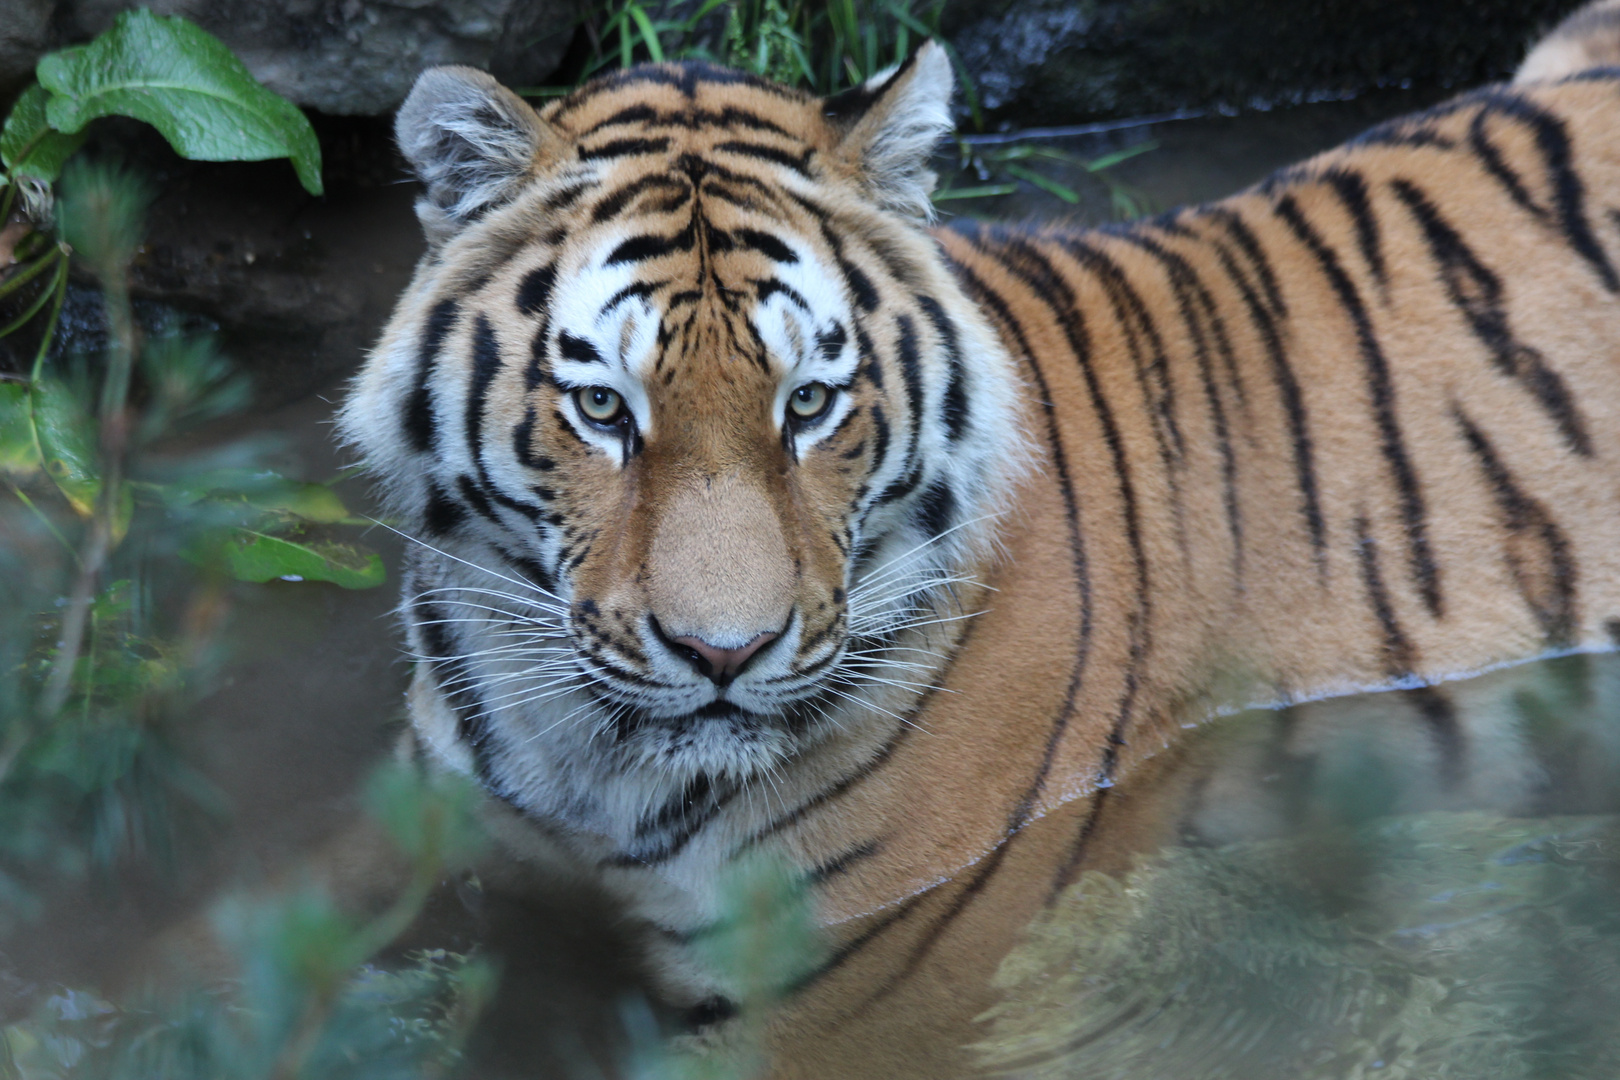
823	47
162	70
311	1000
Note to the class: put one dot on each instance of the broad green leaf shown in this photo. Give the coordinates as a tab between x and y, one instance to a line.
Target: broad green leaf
262	490
66	437
184	82
19	450
255	556
28	146
312	502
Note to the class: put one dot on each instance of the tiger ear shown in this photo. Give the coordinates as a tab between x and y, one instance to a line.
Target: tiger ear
890	124
472	143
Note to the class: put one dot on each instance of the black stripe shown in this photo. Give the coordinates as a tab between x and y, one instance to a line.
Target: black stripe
610	205
623	148
559	201
936	509
650	246
1477	292
830	343
911	376
474	496
1293	402
1351	189
440	514
1245	239
686	77
1153	374
953	405
770	287
638	288
486	364
697	790
578	349
457	689
841	863
644	114
799	163
1381	394
420	423
1445	730
1399	656
1552	141
1536	550
765	244
1195	305
534	291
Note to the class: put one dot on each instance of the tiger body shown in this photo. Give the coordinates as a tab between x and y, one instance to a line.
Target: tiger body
1069	492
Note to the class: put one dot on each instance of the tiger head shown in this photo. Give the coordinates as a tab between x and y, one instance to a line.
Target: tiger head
699	435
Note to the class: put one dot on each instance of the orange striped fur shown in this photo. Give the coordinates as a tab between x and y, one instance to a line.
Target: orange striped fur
1353	428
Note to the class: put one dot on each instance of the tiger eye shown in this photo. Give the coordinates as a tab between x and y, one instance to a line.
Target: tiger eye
599	404
810	400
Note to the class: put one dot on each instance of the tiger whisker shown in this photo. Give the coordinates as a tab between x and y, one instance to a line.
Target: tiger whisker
524	582
879	572
877	708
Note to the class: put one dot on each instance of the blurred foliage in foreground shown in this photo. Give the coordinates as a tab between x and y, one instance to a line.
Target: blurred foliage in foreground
309	1002
1475	946
1360	894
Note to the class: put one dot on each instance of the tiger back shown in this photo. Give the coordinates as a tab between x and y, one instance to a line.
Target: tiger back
758	517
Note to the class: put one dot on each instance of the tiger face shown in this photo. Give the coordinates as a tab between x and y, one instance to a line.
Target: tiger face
702	443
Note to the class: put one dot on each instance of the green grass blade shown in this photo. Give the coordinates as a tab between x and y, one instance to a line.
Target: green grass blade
983	191
1045	183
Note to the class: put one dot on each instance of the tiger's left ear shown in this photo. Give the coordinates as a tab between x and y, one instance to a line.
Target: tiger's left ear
890	124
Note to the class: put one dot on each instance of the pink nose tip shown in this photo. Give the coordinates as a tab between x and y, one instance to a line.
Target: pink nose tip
722	665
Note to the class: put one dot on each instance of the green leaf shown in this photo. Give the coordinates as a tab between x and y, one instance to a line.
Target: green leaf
1067	194
28	146
255	556
67	438
19	450
184	82
312	502
984	191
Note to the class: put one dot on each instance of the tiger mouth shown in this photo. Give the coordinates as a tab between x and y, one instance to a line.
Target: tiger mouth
714	713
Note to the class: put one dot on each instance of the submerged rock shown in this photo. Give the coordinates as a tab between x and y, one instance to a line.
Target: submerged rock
1063	61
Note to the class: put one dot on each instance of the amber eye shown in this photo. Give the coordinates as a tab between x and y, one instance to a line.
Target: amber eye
810	400
599	404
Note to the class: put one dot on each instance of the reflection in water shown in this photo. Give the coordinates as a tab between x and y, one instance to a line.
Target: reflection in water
1416	883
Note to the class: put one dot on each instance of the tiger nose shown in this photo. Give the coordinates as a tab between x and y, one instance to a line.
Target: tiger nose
717	664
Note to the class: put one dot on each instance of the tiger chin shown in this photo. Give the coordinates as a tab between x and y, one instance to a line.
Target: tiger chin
752	513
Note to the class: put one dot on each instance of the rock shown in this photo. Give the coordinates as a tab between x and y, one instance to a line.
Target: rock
25	33
346	57
1067	61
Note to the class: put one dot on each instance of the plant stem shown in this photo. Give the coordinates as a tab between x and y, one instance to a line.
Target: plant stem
102	538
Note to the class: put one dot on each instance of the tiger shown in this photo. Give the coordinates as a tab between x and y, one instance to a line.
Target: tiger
756	514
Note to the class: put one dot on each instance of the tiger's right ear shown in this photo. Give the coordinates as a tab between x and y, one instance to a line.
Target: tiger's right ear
472	143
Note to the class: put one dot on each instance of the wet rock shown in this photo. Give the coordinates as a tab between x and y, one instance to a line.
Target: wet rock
25	31
347	57
1064	61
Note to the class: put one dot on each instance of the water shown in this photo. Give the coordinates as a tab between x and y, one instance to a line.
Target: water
1326	891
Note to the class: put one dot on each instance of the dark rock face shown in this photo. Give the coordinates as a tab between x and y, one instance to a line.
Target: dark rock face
346	57
25	32
1064	61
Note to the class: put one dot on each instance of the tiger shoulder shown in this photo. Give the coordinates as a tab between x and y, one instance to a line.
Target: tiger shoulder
756	516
